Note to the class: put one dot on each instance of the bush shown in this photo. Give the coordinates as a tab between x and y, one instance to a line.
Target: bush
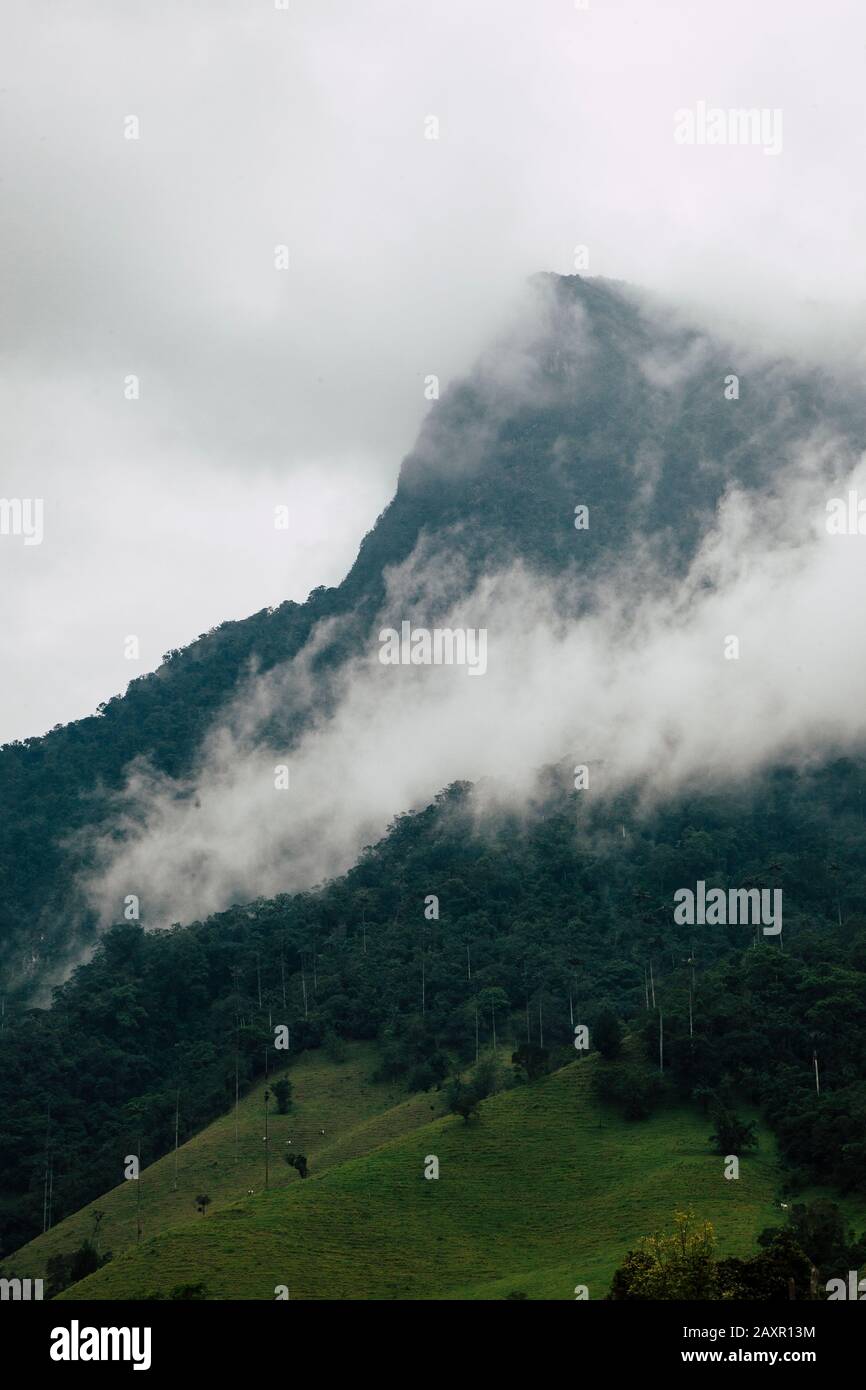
731	1134
633	1088
607	1034
282	1094
335	1048
531	1059
63	1270
421	1078
462	1099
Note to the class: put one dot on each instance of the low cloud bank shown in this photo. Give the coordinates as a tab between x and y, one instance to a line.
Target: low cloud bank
643	682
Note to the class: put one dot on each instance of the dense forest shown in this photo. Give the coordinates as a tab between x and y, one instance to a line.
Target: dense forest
542	919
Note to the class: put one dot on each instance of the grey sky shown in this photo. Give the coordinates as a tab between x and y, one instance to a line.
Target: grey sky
304	387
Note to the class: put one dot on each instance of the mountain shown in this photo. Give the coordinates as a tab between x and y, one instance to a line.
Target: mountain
465	919
594	397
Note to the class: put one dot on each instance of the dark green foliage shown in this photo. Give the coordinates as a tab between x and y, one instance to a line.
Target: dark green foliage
486	1077
627	1279
758	1019
282	1093
819	1229
462	1098
202	1203
410	1052
634	1088
181	1293
334	1047
781	1271
731	1134
607	1034
298	1162
530	1059
63	1270
685	1266
421	1077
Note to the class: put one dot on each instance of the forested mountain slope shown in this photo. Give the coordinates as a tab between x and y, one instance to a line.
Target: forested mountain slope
557	916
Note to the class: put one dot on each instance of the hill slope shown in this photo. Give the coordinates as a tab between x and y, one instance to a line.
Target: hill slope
226	1159
542	922
542	1192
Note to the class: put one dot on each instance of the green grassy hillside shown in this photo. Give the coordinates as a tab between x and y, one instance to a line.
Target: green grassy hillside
355	1113
543	1191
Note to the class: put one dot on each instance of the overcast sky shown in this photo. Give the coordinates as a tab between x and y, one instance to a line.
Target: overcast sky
303	387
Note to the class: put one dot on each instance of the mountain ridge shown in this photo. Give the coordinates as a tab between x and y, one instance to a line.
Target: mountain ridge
591	398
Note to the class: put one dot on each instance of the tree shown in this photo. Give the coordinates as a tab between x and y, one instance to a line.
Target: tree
676	1266
485	1077
488	1001
64	1269
731	1134
607	1034
531	1059
462	1099
633	1088
202	1202
98	1218
299	1162
335	1047
819	1229
632	1278
780	1271
684	1266
282	1094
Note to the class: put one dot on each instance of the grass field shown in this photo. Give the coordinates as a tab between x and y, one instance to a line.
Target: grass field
543	1191
355	1113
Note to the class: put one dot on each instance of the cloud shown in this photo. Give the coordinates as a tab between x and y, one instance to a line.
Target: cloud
306	127
636	681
